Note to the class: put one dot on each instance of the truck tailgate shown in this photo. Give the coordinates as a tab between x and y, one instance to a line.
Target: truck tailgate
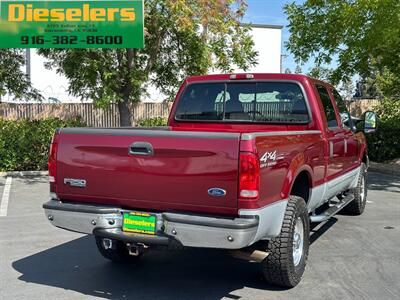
175	177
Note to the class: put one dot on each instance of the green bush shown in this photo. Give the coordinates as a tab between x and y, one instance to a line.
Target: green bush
384	145
153	122
24	144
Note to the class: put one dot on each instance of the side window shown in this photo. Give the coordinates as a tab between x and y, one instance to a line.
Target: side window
328	106
344	113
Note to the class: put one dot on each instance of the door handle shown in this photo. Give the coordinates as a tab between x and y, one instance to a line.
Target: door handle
141	148
331	150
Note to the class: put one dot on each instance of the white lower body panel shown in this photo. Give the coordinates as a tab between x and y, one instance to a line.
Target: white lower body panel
332	188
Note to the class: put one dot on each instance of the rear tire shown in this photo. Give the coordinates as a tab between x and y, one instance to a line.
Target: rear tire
357	206
288	253
118	254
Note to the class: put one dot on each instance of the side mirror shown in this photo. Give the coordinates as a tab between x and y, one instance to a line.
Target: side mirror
370	122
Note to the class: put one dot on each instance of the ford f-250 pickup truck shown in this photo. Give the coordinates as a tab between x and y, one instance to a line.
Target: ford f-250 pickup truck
246	163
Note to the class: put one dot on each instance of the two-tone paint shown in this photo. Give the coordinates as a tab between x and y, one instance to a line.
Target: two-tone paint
190	158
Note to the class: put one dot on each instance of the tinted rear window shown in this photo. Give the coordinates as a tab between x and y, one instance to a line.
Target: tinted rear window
270	102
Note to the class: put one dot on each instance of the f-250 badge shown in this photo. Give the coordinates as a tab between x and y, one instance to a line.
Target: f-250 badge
268	159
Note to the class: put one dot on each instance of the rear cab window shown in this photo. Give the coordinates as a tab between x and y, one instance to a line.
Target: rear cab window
260	102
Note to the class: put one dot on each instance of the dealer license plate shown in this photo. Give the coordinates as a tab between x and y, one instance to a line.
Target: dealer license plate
139	223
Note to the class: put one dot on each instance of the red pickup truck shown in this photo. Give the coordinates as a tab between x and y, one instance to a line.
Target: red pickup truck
246	162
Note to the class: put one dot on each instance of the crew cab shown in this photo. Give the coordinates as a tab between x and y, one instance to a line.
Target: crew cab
246	163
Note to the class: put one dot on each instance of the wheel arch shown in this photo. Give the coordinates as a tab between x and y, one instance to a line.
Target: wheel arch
365	158
301	186
298	182
363	150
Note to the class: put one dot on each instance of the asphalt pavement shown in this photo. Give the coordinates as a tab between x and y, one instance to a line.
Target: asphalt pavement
350	258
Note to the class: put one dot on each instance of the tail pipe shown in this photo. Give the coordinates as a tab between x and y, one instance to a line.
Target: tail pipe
250	255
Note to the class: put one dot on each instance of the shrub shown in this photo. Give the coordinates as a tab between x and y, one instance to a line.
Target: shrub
153	122
24	144
384	145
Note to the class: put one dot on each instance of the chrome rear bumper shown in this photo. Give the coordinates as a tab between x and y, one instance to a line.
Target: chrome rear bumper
172	228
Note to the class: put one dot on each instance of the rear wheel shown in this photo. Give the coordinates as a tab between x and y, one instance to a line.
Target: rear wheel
357	206
118	253
286	262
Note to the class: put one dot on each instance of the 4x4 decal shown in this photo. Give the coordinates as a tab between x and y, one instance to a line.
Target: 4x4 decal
268	159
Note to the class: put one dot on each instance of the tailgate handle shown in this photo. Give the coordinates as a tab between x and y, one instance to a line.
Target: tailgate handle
141	148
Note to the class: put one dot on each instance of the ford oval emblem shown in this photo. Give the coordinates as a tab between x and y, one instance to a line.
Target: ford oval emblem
216	192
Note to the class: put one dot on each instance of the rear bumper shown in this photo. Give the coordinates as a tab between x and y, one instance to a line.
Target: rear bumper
172	228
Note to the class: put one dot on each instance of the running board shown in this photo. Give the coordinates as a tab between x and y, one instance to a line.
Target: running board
333	210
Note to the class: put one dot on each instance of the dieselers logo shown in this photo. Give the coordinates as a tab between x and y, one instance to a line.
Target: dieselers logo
72	24
28	13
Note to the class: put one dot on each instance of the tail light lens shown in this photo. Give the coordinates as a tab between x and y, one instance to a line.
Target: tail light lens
249	176
241	76
52	163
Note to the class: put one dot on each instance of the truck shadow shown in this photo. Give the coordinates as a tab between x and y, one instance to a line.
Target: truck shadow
318	229
186	274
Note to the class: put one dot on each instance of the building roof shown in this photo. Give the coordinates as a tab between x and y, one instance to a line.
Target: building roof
269	26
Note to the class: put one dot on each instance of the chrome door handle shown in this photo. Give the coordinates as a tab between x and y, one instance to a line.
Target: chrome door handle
331	150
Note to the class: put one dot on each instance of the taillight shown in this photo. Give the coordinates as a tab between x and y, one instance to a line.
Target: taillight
52	163
249	176
241	76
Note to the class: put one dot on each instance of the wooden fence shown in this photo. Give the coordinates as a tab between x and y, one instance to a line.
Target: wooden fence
92	116
360	106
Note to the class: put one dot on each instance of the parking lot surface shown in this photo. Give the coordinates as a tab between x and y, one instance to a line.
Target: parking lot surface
350	258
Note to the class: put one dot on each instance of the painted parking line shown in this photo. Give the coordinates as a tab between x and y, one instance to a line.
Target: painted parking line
5	198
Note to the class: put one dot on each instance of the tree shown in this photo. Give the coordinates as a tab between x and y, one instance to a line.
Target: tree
183	38
345	87
368	88
298	70
361	34
287	71
388	84
12	80
321	73
347	90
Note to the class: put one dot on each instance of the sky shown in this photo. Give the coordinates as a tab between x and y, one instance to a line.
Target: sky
271	12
